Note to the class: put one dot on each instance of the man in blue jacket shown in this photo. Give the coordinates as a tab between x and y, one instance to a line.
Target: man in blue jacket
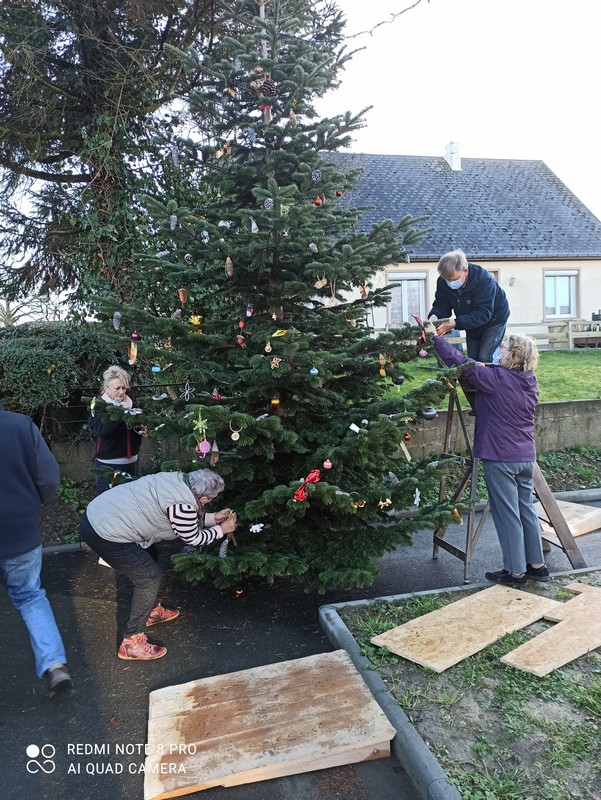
477	301
29	476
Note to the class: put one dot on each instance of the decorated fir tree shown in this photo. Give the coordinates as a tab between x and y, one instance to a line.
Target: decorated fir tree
257	325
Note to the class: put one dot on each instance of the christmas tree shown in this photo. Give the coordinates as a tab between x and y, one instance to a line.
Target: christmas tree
260	316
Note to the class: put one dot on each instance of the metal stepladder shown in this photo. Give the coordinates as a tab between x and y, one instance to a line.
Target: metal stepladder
469	477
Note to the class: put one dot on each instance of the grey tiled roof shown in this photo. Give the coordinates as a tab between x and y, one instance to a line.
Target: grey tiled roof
491	209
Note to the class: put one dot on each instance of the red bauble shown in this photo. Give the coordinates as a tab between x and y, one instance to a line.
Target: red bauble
318	201
338	193
241	324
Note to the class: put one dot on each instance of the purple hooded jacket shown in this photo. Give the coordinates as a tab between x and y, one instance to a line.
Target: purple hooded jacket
505	404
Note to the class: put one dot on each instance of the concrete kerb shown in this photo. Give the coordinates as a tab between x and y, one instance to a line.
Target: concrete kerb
416	758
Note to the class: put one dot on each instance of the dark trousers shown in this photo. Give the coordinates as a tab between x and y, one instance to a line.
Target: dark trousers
138	564
104	473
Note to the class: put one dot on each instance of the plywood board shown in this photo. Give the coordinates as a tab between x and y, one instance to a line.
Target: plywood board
281	719
580	519
578	632
442	638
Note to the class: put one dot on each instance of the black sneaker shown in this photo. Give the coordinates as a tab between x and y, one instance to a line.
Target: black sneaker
505	578
58	679
539	574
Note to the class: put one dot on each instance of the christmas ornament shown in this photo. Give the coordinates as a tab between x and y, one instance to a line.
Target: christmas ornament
301	493
275	405
268	204
229	92
188	259
175	155
416	497
327	464
292	117
132	355
195	319
275	362
321	282
318	201
385	503
313	247
354	428
422	353
398	380
215	394
429	413
338	193
182	295
254	228
268	88
240	340
176	314
229	267
187	392
117	320
224	223
382	361
457	516
280	332
214	453
235	433
365	422
316	175
268	347
223	548
173	221
155	368
163	254
257	527
352	322
357	503
204	237
363	291
249	310
202	448
313	371
241	324
407	437
135	337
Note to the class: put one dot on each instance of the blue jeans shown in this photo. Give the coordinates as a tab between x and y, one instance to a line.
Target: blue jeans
510	485
482	346
137	563
20	576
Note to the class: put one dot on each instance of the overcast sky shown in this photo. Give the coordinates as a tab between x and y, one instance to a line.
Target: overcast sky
504	78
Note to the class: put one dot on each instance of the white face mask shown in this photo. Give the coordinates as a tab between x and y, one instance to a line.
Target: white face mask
497	356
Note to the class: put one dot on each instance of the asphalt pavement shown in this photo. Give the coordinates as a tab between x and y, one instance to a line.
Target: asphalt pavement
89	744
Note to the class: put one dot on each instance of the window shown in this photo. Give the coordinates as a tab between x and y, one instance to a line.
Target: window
560	293
407	297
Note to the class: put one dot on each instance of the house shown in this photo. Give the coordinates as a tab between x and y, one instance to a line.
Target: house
514	217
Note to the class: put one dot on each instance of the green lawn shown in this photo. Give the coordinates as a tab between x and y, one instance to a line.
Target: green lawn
562	374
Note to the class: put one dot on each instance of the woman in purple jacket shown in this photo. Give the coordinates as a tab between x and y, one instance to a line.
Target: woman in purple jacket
505	402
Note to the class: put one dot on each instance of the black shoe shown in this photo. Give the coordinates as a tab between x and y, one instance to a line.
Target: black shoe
539	574
58	679
505	578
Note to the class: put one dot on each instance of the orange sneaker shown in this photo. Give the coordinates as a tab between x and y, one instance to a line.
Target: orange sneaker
161	614
138	648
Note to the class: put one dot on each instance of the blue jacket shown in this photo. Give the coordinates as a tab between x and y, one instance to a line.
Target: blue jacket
29	476
479	304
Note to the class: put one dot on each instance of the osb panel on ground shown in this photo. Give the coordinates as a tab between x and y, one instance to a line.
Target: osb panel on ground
578	632
580	519
442	638
281	719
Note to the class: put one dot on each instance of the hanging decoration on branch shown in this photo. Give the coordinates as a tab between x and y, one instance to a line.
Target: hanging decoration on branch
268	204
235	433
182	295
301	493
214	453
117	320
188	258
313	247
187	392
173	222
229	267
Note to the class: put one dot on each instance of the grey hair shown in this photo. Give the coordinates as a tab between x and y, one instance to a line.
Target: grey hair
205	483
110	373
451	262
522	353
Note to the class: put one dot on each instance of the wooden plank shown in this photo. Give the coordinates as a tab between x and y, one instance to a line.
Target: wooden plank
579	518
578	631
262	723
442	638
556	520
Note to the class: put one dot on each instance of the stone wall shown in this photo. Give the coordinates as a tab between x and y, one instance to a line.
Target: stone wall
558	425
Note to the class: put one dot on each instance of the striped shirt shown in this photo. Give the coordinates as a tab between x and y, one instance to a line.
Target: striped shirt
184	521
